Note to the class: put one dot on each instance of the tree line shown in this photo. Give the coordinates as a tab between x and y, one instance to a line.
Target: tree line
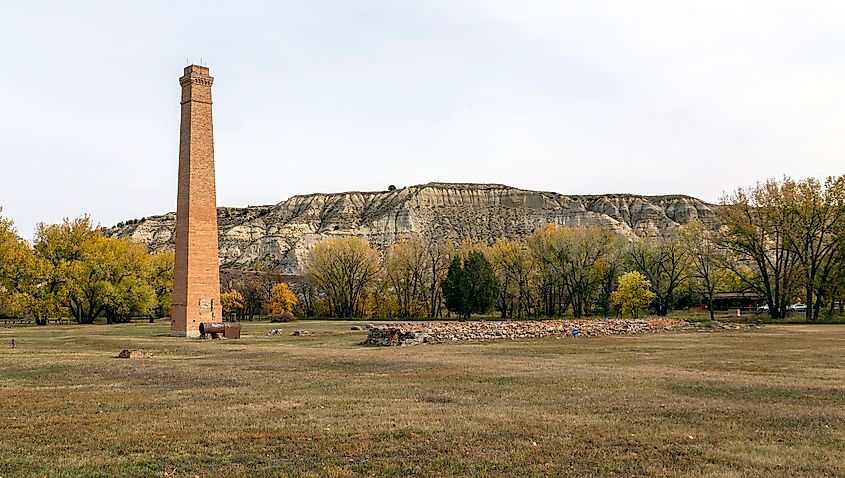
73	270
783	240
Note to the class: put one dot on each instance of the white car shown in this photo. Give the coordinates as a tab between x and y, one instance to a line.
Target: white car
797	308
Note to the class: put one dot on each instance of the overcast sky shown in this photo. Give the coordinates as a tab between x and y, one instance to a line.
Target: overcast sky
577	97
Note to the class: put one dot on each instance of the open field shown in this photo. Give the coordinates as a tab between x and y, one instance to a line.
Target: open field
768	402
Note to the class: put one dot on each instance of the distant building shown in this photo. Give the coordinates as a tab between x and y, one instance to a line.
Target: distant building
736	300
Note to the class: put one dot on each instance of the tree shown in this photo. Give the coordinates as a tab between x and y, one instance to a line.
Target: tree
664	262
577	260
112	274
160	278
15	268
548	247
12	254
41	291
515	269
232	302
282	301
816	232
470	285
586	249
634	293
92	275
706	259
405	269
438	254
306	296
343	269
254	296
607	269
58	249
756	230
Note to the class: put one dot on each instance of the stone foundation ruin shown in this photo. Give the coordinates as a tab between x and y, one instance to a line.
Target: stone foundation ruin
440	332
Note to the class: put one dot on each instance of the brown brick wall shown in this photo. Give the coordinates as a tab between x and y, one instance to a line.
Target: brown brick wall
196	281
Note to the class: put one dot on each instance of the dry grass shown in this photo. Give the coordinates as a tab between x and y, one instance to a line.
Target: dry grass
767	402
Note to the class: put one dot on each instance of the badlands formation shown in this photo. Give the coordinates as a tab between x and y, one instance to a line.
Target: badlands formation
280	236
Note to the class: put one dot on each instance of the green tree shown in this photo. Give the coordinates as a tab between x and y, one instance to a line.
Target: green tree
160	278
634	293
470	285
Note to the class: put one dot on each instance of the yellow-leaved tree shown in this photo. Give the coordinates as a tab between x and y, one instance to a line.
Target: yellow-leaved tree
90	274
344	269
15	261
405	270
232	303
634	293
282	302
515	267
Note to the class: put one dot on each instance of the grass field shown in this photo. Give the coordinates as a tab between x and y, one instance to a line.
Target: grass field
767	402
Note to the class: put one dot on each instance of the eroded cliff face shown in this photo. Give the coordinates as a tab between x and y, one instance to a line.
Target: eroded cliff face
281	236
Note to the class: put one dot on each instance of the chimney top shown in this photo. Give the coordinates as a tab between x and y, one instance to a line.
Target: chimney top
196	69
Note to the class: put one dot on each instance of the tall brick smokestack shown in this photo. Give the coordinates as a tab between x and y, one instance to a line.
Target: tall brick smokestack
196	277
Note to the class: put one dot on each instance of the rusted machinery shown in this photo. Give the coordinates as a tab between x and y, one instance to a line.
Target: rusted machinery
229	330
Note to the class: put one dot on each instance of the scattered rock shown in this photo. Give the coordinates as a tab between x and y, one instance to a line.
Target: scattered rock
356	327
737	326
417	333
302	333
133	354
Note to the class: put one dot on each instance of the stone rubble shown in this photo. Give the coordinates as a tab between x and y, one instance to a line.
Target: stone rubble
718	324
133	354
439	332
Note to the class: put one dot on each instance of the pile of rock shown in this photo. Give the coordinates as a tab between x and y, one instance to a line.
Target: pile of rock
133	354
400	334
438	332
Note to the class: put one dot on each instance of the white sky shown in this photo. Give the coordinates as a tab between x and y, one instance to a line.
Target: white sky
578	97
